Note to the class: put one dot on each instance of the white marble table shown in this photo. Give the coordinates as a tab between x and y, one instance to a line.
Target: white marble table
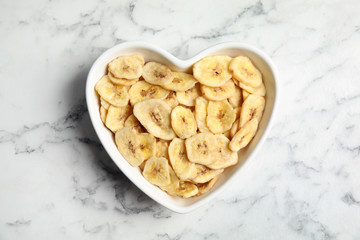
57	182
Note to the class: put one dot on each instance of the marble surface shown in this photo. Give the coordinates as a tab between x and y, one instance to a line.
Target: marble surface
56	180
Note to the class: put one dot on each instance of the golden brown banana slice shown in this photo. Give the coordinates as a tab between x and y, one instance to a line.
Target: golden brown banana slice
244	135
206	187
188	97
129	67
186	190
142	91
220	116
245	94
183	122
181	82
103	113
252	107
235	99
260	90
154	115
158	74
104	103
122	81
157	171
171	99
205	174
135	147
142	165
162	149
234	128
224	156
201	113
116	116
219	93
174	184
183	168
245	72
114	94
200	148
212	71
133	123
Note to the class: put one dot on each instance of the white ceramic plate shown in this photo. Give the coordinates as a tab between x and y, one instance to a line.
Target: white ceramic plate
154	53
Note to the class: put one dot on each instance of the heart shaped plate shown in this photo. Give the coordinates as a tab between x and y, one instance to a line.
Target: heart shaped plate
154	53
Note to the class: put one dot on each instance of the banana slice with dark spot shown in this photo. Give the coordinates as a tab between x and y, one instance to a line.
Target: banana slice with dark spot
200	147
188	97
142	91
252	107
181	82
157	171
183	122
219	93
158	74
116	116
154	115
220	116
116	95
212	71
244	135
129	66
245	72
135	147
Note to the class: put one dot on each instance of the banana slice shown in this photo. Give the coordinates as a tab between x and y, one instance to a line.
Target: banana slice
201	113
183	122
234	128
245	72
220	116
186	190
183	168
224	156
200	148
133	123
122	81
157	171
206	187
174	184
103	113
143	90
162	149
236	99
205	174
171	99
154	115
158	74
135	147
219	93
245	94
188	97
129	67
116	116
252	107
104	103
186	170
114	94
212	71
181	82
244	135
260	90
